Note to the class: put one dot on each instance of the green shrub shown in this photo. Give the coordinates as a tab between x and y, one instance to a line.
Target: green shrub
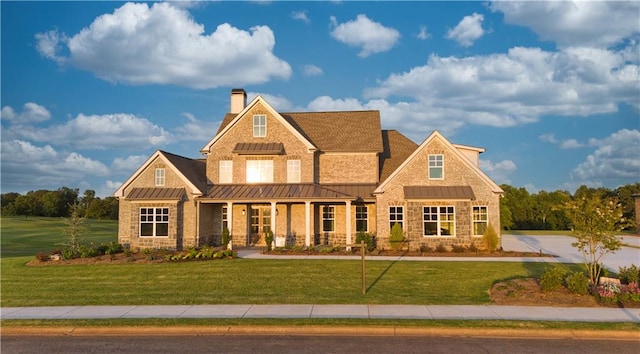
551	279
441	248
113	247
68	253
628	275
396	237
367	238
490	238
226	237
577	283
268	238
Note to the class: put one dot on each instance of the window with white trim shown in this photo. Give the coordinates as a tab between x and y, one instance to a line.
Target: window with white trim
396	215
436	166
259	125
293	171
362	218
225	171
328	218
480	220
154	222
225	218
439	221
259	171
159	174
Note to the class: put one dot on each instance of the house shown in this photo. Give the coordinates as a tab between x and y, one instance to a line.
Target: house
312	178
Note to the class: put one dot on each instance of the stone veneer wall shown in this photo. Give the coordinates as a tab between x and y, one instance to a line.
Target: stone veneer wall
347	168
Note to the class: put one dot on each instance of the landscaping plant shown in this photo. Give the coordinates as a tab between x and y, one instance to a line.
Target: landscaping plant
396	237
551	279
490	238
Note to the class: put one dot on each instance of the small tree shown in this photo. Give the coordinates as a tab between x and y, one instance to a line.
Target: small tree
268	238
74	225
490	238
226	237
595	220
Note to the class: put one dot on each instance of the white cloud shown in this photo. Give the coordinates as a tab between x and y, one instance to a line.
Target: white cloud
280	103
564	144
616	158
31	113
371	37
128	164
45	167
162	44
300	16
98	132
423	34
498	171
468	30
311	70
195	130
515	88
575	23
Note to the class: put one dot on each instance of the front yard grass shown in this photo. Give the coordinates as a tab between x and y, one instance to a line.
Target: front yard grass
247	281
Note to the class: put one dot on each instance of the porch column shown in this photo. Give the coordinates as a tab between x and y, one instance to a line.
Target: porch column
230	223
307	223
348	225
274	215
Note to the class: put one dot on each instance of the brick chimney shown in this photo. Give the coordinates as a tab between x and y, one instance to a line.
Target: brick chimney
238	100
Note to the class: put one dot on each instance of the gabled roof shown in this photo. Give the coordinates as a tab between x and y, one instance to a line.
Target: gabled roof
340	131
230	120
191	171
436	135
397	148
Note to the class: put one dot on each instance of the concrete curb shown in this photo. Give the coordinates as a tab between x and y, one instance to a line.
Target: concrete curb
322	331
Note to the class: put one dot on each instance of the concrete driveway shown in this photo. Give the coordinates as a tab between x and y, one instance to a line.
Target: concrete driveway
560	246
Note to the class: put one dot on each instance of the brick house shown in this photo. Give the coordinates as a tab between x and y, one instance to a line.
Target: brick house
312	178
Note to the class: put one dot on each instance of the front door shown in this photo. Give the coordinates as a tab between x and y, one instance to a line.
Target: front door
260	224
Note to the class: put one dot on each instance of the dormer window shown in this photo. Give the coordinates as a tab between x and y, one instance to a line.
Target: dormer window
259	125
159	177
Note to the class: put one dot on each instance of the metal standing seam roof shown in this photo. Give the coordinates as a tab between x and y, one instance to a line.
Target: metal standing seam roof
439	192
258	148
156	194
288	191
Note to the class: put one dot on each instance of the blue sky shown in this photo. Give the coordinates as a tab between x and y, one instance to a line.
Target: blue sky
550	89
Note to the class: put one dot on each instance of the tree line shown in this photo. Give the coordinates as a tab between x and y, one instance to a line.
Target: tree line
520	210
59	203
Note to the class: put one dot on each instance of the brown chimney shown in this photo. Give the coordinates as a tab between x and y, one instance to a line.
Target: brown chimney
238	100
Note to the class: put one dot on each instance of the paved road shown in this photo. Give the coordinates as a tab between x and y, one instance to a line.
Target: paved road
273	343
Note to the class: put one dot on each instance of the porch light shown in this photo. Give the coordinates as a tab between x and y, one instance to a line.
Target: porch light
244	212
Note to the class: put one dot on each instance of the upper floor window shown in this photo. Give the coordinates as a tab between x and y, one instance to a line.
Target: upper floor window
225	171
480	220
293	171
436	166
396	216
260	125
159	180
259	171
154	222
328	218
439	221
362	224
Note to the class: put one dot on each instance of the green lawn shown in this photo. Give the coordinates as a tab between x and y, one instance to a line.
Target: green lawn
27	236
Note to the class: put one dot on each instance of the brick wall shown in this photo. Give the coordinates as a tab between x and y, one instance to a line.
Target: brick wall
348	168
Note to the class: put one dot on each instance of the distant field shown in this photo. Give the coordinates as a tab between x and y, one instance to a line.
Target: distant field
27	236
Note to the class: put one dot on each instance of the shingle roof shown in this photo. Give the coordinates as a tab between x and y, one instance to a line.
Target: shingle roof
397	148
341	131
193	169
156	194
288	191
438	192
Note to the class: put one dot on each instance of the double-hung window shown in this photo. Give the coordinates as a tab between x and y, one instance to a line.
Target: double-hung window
259	171
396	215
293	171
225	171
436	166
480	220
225	218
362	224
259	125
439	221
154	222
328	218
159	177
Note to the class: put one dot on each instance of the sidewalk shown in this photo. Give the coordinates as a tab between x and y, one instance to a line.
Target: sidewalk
416	312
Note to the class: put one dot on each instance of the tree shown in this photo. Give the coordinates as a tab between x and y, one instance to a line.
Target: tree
74	225
595	219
